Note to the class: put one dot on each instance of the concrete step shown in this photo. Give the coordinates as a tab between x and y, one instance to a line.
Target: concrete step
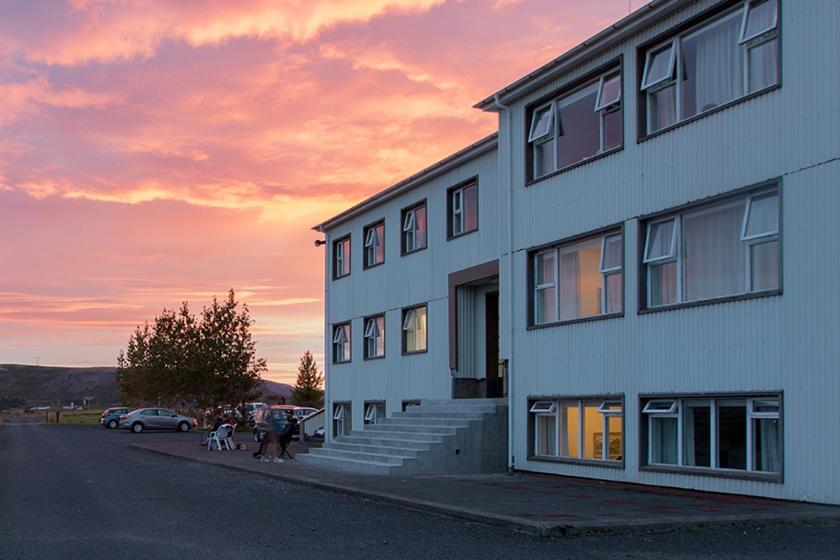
412	428
331	462
413	413
463	403
484	408
406	452
357	455
389	439
423	421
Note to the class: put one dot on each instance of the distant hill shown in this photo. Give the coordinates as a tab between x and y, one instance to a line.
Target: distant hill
22	385
38	385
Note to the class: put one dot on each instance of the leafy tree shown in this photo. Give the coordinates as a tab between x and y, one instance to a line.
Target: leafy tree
307	390
181	360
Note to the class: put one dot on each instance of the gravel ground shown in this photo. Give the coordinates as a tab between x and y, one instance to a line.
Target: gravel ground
79	492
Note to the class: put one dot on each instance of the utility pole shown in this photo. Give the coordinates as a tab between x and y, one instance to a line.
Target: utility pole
37	361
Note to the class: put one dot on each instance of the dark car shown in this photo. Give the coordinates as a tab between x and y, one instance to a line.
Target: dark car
110	418
263	417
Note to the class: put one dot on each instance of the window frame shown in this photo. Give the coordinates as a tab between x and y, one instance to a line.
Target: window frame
714	402
348	258
450	209
349	342
615	65
688	27
403	330
365	350
346	419
404	214
373	407
582	402
366	231
748	5
531	280
677	213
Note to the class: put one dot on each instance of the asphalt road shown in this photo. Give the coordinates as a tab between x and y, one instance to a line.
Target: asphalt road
78	492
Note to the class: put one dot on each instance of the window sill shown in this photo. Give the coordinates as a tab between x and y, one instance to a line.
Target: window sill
406	253
450	237
604	317
342	362
374	265
705	114
575	165
573	461
716	473
340	277
714	301
372	358
404	353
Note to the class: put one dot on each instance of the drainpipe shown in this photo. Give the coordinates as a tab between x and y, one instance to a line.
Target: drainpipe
327	338
511	458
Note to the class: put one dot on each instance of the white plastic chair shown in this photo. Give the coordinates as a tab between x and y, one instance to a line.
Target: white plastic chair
219	437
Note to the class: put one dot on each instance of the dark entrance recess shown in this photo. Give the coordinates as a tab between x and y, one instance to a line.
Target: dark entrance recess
495	385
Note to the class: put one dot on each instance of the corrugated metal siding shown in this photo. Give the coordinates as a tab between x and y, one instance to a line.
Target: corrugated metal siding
786	343
404	281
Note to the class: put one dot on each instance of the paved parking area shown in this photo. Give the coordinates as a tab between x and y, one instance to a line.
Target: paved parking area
544	505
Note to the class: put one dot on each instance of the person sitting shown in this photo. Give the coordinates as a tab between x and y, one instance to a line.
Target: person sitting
284	436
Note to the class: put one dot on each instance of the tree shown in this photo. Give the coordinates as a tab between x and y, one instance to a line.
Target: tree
307	390
181	360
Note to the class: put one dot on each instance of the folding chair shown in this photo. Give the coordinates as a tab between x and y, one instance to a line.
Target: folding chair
229	438
220	437
283	443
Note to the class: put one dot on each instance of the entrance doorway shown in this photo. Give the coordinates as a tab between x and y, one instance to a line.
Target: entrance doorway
474	332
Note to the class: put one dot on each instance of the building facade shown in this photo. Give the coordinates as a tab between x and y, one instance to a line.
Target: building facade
663	197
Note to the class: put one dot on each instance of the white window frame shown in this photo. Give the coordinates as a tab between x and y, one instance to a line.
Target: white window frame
340	338
748	211
372	336
581	405
671	44
748	6
532	136
410	229
600	103
341	258
675	78
714	403
458	212
555	129
607	272
372	243
546	285
411	325
339	420
677	242
372	412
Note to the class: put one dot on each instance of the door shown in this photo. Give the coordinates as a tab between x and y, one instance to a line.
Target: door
495	385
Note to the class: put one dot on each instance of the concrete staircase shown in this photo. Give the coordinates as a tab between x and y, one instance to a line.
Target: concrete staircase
438	436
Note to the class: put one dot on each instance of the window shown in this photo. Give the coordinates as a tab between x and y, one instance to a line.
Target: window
724	249
720	61
463	209
341	257
414	233
579	279
731	433
576	126
578	429
374	244
342	425
414	330
374	411
375	337
341	343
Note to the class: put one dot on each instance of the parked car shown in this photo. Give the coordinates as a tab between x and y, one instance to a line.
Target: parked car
156	419
110	418
261	424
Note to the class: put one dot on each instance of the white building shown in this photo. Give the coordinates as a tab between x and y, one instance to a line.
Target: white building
654	234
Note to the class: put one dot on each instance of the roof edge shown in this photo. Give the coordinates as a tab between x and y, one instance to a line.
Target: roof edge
461	156
615	33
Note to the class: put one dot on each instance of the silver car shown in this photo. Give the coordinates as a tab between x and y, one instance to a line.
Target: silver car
156	419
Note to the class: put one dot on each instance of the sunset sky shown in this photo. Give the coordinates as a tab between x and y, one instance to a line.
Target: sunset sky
158	151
